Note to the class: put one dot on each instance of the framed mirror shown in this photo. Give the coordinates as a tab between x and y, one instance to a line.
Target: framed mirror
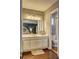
32	26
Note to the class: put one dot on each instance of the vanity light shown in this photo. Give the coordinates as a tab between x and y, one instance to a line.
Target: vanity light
38	18
28	17
33	17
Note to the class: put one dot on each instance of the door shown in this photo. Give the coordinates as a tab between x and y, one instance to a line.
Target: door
54	29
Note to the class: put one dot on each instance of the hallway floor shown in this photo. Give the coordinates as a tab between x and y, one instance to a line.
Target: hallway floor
55	50
48	55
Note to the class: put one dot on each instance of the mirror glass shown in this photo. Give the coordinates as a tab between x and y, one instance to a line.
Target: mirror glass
32	26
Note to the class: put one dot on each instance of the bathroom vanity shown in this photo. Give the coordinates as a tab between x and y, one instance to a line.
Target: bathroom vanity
34	41
33	32
33	35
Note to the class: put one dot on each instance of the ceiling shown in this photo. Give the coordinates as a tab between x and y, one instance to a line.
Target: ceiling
40	5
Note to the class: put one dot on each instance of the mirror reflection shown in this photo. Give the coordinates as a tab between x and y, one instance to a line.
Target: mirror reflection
30	27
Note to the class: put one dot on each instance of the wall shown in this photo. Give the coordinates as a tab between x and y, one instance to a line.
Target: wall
47	16
47	23
26	12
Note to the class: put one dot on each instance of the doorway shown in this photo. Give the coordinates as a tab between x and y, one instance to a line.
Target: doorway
54	30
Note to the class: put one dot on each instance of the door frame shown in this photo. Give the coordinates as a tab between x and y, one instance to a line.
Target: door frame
50	40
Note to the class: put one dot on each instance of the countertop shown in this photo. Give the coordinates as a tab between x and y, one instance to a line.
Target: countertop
34	35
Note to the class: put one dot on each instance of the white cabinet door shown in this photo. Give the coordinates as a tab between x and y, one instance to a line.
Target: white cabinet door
36	44
45	43
26	45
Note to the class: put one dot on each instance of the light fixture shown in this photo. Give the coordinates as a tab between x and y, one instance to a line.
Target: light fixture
33	17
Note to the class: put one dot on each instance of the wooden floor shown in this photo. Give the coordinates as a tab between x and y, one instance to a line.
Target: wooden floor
48	55
55	50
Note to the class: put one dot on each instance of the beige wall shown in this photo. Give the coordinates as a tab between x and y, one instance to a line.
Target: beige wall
47	16
40	14
25	12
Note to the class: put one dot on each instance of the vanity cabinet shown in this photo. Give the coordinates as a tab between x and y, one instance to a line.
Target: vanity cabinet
26	45
31	43
45	43
36	44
